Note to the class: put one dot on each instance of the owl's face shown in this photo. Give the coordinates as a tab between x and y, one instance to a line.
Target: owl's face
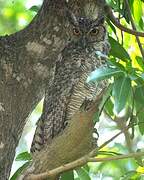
86	32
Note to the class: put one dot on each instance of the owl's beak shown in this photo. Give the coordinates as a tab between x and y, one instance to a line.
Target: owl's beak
83	42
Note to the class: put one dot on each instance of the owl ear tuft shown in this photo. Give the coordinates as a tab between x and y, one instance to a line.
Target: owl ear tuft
101	20
71	17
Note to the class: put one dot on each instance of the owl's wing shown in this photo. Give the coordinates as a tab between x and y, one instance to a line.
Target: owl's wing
57	98
38	139
51	123
54	115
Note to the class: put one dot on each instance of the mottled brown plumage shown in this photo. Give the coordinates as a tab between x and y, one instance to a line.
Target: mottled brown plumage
69	89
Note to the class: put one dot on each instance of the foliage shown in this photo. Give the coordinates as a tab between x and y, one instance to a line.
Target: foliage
124	98
14	16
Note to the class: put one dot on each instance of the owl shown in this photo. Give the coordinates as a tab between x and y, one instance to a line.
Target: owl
69	90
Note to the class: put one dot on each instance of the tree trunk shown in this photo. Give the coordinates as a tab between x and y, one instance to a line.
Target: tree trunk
26	64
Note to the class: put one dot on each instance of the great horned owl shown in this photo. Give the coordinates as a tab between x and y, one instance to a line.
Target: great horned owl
69	88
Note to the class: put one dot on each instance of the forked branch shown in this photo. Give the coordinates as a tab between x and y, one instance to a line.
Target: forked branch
85	159
113	19
90	157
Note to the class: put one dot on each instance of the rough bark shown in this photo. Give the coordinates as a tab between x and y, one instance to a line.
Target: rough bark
26	61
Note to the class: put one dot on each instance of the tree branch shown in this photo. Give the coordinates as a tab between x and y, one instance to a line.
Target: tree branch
124	156
121	124
110	15
77	163
85	159
27	58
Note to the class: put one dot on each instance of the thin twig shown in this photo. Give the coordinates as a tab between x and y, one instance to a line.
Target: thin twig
134	27
110	15
121	123
63	168
81	162
131	121
119	17
107	142
124	156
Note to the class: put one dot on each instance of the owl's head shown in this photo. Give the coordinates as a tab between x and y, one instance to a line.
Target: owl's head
86	31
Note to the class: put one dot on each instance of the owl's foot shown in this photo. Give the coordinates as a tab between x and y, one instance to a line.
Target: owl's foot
86	104
95	137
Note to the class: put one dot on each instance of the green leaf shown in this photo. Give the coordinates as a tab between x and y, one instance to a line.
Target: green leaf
125	12
83	174
18	172
35	8
117	50
137	10
121	90
139	159
67	176
112	26
140	80
109	107
141	24
86	167
106	96
130	175
139	95
103	73
24	156
142	76
114	62
139	106
96	117
140	117
108	153
140	62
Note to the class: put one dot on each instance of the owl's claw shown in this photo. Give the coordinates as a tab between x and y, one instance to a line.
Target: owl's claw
86	104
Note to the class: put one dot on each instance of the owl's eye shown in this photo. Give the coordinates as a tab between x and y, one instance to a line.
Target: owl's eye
94	31
76	31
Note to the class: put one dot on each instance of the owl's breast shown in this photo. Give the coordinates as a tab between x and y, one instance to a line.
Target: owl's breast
81	89
77	65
